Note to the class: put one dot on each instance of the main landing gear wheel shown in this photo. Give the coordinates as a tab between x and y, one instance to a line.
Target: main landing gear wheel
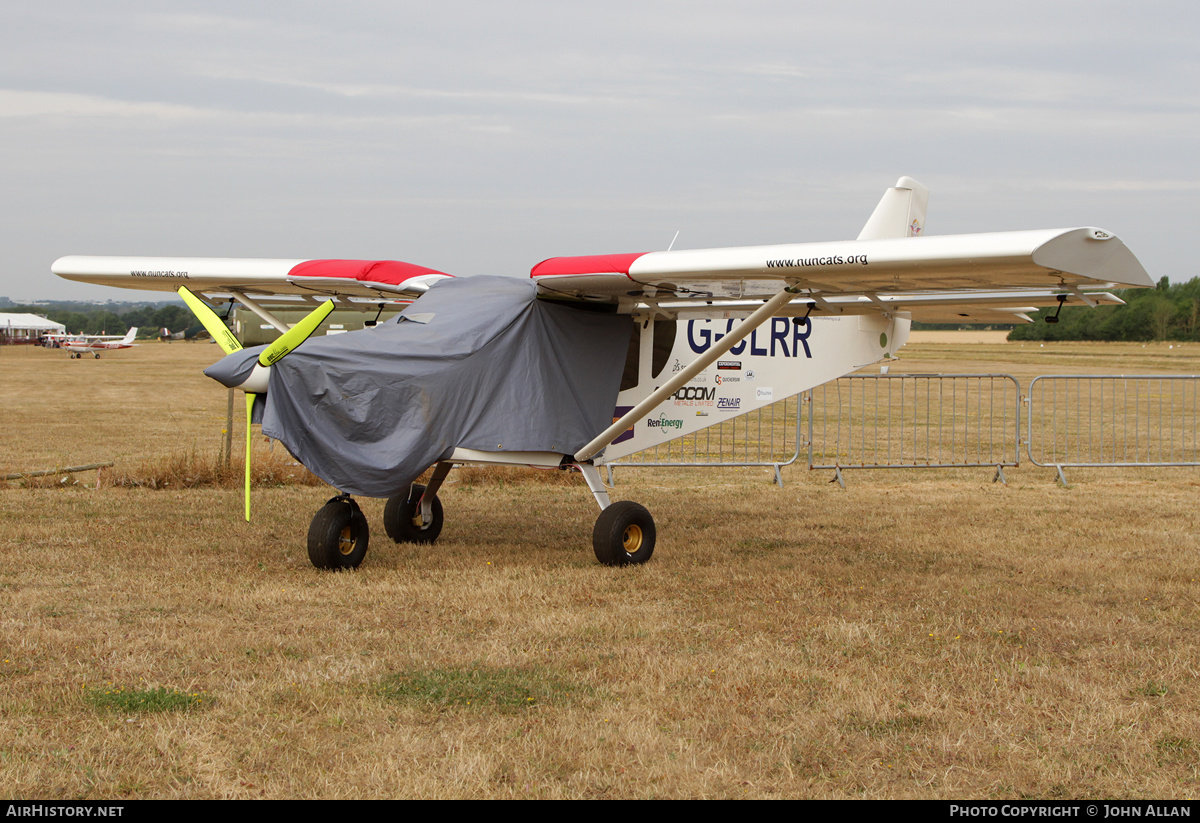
623	535
402	517
338	536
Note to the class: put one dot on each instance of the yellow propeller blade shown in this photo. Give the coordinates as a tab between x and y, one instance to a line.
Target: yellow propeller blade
216	327
249	410
296	335
271	354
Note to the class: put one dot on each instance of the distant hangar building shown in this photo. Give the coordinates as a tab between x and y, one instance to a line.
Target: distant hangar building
26	328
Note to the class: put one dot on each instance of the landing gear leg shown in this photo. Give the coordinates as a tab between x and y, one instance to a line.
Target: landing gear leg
592	475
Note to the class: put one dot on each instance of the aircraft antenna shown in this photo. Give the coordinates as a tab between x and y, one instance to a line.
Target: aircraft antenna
673	239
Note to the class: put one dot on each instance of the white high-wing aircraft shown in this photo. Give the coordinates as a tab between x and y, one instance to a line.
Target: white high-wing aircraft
82	344
714	333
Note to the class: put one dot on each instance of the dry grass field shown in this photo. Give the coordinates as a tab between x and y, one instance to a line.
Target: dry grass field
917	634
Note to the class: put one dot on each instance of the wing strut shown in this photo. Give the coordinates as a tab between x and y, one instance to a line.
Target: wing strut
261	312
760	316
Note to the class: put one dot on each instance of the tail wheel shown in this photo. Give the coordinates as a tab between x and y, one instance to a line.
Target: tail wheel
624	535
338	535
402	517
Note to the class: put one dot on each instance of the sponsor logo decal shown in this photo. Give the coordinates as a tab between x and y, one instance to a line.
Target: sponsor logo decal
729	364
695	396
662	422
749	374
764	393
729	404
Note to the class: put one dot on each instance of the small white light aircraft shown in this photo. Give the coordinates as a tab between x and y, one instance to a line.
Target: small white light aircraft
82	344
714	333
59	340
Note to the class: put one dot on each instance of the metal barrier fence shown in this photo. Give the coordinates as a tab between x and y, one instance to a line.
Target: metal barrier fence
956	420
915	420
769	436
1113	420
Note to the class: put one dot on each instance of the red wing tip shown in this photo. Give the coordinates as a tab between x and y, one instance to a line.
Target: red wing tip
393	272
587	264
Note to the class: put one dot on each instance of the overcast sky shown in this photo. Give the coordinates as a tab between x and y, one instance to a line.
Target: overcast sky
483	137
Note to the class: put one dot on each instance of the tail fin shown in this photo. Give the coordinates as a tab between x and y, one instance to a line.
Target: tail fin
129	335
901	212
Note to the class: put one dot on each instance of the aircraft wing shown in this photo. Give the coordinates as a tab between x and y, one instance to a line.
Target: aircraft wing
275	283
982	278
1001	274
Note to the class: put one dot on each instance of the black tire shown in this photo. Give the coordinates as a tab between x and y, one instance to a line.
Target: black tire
403	509
338	536
624	535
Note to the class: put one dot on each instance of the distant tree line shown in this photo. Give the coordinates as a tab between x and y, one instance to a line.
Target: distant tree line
1166	312
919	326
80	319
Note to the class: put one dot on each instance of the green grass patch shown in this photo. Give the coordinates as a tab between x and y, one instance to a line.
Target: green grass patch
1172	748
505	689
160	699
1153	689
886	727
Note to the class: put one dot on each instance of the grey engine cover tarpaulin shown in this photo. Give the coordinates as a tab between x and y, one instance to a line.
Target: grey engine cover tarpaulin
476	363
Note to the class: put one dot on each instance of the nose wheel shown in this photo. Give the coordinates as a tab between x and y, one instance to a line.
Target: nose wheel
338	535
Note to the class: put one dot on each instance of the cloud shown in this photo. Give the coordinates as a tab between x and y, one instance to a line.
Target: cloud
16	103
